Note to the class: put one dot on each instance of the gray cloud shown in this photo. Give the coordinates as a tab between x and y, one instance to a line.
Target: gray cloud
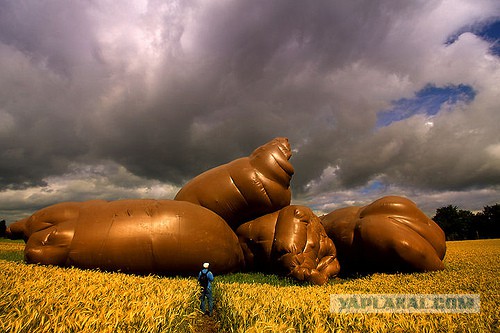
164	91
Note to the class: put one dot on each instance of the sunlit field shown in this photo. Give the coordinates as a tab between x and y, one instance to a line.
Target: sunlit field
50	299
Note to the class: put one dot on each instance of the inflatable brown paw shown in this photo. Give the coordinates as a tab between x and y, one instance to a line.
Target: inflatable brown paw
136	236
246	188
390	234
291	240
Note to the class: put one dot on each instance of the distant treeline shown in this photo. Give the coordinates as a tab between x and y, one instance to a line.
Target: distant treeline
3	227
461	224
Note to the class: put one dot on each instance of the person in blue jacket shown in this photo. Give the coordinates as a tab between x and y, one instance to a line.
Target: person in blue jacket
205	278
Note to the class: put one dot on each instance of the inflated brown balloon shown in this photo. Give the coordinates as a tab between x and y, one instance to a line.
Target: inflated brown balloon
245	188
290	240
390	234
137	236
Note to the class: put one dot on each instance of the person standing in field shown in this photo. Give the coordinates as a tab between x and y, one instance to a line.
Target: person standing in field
205	278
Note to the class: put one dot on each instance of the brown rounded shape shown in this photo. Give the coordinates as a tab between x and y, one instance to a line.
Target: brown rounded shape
390	234
137	236
292	241
246	188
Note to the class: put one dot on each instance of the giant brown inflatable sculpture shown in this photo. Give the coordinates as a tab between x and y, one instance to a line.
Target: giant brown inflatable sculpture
235	216
390	234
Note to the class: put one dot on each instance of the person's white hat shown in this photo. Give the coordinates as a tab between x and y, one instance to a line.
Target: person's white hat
205	265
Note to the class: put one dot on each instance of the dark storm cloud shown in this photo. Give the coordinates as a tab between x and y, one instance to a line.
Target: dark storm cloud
48	76
166	90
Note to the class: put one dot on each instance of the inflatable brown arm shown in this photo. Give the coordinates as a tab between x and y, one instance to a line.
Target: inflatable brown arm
246	188
140	236
390	234
291	240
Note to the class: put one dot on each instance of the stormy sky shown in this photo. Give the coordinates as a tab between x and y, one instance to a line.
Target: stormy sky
131	99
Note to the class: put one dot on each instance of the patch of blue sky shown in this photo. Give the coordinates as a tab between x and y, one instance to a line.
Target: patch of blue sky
427	101
373	186
488	30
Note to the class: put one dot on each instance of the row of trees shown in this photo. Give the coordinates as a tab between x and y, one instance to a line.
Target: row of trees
461	224
3	227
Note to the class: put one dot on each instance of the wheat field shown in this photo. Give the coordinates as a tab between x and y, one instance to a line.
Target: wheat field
471	267
51	299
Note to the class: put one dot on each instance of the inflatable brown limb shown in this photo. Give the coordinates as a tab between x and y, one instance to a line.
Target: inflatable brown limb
390	234
137	236
246	188
291	240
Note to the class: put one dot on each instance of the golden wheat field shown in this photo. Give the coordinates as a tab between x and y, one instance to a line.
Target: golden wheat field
51	299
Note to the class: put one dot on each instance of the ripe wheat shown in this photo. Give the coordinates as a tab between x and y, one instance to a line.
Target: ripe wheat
51	299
